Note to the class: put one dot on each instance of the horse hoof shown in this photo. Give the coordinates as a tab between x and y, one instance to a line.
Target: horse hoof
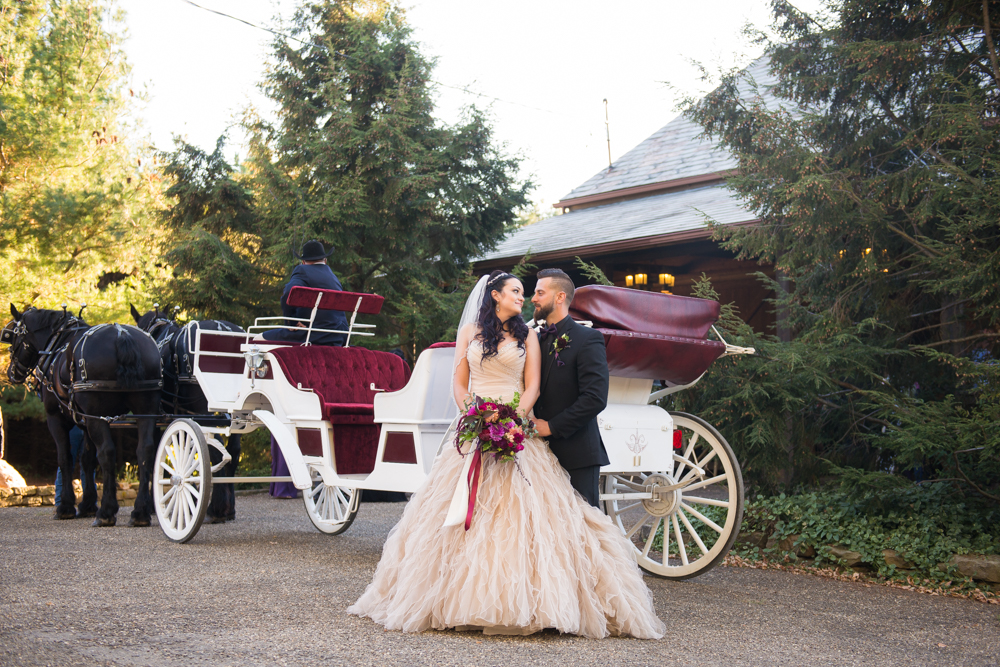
139	523
86	513
230	517
102	523
214	519
59	516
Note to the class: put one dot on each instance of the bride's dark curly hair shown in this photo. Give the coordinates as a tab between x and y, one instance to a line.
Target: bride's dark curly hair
491	328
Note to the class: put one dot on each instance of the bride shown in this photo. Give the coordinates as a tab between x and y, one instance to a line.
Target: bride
537	555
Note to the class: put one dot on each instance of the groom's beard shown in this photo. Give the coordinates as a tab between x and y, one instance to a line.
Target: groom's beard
543	311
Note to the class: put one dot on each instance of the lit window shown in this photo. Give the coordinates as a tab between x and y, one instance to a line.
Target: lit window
629	280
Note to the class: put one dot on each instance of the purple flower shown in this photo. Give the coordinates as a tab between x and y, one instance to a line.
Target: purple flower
496	432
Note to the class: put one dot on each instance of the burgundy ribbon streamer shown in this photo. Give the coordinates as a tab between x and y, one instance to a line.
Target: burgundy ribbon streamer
474	474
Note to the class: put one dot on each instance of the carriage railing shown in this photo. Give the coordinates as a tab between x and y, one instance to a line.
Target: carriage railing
322	299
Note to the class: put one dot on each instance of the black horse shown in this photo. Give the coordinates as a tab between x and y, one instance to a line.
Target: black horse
87	375
183	396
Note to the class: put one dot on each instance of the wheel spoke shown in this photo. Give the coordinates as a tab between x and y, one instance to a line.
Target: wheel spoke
706	501
705	482
691	444
633	529
169	494
170	471
628	507
701	517
694	533
649	540
175	509
680	541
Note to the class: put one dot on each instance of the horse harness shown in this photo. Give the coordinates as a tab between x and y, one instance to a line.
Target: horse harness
79	382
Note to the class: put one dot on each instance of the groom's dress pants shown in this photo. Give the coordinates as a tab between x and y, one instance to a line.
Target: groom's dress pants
586	481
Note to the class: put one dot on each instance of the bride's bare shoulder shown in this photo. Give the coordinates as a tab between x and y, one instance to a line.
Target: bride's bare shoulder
467	333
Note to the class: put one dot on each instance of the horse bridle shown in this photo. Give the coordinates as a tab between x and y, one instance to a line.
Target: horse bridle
17	338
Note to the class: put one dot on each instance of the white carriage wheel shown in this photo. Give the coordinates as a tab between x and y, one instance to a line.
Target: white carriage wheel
182	480
683	532
330	508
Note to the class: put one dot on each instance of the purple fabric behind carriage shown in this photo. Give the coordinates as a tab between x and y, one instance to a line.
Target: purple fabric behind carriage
342	377
651	335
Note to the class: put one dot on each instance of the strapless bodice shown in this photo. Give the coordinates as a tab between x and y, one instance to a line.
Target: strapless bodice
498	376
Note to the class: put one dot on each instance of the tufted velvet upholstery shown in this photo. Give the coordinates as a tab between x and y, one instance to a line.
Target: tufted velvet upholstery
341	377
649	335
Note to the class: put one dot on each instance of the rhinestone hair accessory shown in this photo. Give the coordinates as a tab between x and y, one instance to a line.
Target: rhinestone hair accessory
500	277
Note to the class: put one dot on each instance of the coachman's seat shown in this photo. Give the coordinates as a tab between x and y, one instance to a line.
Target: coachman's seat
650	335
342	378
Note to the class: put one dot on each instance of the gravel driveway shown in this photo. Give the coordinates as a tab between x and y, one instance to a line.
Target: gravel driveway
269	589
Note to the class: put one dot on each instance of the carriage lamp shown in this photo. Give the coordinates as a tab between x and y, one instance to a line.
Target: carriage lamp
255	360
629	281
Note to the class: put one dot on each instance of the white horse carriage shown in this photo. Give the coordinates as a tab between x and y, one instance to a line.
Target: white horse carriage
348	419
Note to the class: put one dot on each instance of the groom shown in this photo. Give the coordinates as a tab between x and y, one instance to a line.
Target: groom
574	386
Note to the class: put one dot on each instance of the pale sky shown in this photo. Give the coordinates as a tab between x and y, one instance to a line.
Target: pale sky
551	62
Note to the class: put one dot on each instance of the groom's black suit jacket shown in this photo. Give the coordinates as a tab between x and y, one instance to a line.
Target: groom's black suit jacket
572	395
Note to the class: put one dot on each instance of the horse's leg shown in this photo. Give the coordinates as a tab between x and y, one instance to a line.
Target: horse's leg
100	434
59	427
146	454
234	447
223	505
88	464
216	512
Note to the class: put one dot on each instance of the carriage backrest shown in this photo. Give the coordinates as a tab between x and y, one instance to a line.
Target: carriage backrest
644	312
305	297
342	374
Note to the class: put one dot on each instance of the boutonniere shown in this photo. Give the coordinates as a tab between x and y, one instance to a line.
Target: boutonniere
558	345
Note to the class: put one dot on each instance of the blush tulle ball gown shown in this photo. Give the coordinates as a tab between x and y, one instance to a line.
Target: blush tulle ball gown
536	556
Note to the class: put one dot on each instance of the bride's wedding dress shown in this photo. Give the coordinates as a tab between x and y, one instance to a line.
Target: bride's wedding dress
536	556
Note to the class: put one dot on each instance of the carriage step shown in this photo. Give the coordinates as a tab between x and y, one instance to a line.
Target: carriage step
248	480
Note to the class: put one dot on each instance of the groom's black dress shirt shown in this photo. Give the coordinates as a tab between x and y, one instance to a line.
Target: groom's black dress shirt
572	395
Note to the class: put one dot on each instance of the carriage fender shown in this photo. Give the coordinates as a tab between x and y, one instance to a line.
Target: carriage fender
289	449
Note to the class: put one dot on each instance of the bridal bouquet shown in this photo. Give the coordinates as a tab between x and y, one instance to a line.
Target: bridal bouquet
494	428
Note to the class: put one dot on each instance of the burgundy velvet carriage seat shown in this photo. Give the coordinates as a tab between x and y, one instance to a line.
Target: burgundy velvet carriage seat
650	335
342	379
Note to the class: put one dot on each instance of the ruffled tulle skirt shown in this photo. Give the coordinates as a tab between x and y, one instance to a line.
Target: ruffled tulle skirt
536	556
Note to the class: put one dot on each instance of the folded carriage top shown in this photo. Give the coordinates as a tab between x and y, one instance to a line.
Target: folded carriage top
651	335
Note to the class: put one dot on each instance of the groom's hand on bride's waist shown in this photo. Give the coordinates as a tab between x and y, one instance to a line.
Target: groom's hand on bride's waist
542	427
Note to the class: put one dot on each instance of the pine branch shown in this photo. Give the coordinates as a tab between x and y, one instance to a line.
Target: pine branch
593	272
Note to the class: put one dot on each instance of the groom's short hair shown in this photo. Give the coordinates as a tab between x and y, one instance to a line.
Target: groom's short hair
563	281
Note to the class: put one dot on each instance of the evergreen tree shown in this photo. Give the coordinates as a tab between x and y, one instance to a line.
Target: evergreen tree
357	160
78	190
877	188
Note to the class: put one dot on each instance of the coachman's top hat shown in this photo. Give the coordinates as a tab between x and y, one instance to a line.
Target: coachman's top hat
312	251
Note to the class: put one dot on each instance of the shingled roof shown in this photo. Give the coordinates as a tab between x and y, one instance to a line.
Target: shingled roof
646	198
618	226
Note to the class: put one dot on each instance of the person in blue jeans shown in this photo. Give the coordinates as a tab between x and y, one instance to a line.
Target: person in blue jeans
75	450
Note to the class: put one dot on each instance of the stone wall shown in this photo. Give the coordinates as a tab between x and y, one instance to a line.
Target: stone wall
39	496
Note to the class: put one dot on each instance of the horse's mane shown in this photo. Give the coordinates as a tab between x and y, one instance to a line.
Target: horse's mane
48	319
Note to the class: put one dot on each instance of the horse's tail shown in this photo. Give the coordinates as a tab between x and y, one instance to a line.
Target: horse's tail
129	359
